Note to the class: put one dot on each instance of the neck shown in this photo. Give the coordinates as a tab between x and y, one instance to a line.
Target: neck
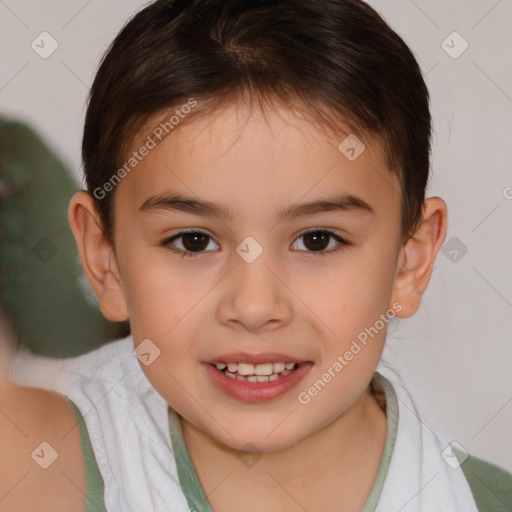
337	465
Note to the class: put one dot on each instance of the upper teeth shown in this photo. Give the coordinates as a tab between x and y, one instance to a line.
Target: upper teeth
255	369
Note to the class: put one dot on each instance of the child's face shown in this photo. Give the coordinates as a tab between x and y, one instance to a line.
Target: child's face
291	304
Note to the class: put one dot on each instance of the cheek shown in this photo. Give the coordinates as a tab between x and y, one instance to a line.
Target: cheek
159	294
354	295
352	305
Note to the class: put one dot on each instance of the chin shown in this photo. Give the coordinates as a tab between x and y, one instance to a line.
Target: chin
255	437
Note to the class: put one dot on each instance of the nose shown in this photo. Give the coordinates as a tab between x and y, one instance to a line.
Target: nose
254	297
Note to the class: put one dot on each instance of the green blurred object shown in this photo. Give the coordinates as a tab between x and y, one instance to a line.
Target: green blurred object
42	286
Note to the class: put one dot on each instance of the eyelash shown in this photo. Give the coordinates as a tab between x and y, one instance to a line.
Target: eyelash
167	243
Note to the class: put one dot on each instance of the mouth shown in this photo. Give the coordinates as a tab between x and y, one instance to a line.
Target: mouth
256	382
263	372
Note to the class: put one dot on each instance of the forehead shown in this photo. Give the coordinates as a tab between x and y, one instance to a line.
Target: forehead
249	161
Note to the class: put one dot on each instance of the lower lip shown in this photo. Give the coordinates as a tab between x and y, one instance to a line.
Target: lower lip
256	391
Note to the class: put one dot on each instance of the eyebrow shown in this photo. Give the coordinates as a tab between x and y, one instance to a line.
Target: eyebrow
178	202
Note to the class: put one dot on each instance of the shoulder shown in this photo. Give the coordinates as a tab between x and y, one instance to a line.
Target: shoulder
42	459
490	485
60	374
105	363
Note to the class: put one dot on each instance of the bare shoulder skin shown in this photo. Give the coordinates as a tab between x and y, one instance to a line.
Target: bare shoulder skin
42	464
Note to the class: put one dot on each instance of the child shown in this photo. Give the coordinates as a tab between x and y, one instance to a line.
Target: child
256	176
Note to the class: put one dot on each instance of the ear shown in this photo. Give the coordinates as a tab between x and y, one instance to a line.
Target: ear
418	255
97	256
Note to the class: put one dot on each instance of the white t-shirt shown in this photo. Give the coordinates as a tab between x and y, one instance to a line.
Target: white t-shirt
128	425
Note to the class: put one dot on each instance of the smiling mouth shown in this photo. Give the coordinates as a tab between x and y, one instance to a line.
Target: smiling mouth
265	372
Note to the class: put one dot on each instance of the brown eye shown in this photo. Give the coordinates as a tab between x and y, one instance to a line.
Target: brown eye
194	242
316	240
190	243
320	242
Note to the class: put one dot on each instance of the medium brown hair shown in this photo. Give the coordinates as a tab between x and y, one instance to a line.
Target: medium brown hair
336	60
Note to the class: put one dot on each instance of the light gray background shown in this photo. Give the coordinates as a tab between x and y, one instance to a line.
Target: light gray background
456	352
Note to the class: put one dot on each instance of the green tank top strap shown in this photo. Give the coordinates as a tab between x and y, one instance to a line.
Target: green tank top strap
491	485
94	501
